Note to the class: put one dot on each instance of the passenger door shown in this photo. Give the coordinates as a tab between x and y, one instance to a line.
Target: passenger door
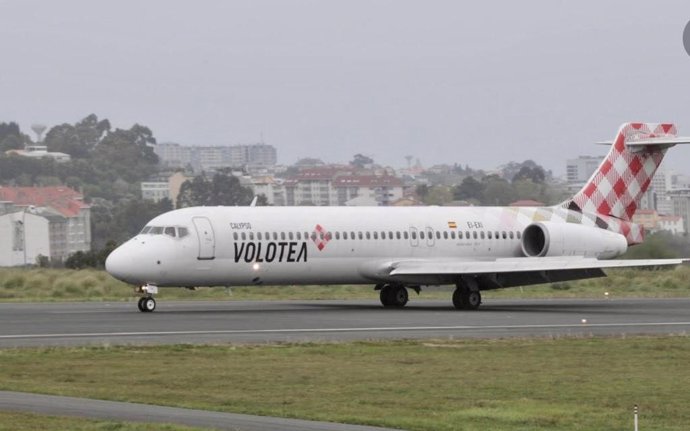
207	240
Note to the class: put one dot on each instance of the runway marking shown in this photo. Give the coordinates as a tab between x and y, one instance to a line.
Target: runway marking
332	330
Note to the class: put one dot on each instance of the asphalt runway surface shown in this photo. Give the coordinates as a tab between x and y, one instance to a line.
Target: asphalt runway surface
131	412
71	324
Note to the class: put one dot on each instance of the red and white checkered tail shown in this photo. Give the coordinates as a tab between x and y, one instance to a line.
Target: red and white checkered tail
616	187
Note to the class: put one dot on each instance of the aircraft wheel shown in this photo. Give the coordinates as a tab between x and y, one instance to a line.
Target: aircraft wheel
384	295
140	304
398	296
148	304
466	299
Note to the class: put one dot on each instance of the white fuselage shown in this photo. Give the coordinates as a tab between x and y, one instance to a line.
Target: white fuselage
231	246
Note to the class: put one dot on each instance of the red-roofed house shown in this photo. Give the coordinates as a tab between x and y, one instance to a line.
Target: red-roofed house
50	221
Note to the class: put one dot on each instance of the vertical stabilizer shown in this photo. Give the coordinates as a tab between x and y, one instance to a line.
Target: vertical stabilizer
616	187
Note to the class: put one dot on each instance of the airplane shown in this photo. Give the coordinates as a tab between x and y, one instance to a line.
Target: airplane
401	248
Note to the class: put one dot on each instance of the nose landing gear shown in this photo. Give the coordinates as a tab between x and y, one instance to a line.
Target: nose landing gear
146	303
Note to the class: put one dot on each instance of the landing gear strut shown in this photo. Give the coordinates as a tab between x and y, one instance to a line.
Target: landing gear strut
146	303
467	295
393	296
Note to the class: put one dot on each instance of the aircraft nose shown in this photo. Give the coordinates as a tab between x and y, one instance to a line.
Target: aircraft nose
118	263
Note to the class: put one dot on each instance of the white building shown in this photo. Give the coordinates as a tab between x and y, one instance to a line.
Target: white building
270	187
39	152
681	205
579	170
155	191
673	224
211	158
25	235
164	187
50	221
380	190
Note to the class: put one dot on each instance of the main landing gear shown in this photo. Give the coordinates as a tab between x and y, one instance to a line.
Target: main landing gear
146	303
467	295
393	295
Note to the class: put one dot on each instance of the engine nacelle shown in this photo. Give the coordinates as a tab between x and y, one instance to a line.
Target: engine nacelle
570	239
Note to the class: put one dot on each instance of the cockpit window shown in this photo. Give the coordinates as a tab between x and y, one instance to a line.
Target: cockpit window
170	231
145	230
156	230
182	232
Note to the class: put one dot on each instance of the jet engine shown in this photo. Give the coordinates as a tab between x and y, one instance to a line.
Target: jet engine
570	239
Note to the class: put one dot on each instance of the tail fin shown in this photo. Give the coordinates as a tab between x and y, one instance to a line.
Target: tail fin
616	187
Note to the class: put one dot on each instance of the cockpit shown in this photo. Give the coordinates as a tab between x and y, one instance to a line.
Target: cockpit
173	231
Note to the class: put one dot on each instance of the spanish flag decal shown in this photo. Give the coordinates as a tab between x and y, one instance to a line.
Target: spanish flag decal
452	225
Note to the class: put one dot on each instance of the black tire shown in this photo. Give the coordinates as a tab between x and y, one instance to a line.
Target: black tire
384	295
149	304
398	296
465	299
140	304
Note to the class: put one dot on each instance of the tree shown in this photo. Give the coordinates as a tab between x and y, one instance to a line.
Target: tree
361	161
127	153
10	137
438	195
77	140
469	189
535	174
222	189
497	191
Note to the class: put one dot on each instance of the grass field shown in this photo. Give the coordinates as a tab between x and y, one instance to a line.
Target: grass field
535	384
93	285
30	422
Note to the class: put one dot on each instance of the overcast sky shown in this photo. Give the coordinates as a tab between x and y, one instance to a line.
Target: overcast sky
477	83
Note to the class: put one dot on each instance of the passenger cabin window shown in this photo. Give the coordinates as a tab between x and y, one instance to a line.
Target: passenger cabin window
282	236
445	234
438	235
376	235
251	236
474	234
488	234
368	235
452	235
337	235
519	235
235	236
406	235
290	236
511	234
244	236
397	235
414	235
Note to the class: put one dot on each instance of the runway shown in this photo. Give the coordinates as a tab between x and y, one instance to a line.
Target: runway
132	412
71	324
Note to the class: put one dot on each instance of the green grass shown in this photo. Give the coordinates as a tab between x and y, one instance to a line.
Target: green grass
11	421
535	384
93	285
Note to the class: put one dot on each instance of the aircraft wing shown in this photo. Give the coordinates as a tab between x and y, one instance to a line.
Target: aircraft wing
505	272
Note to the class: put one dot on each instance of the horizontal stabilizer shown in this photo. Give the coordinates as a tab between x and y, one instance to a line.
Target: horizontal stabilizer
666	141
